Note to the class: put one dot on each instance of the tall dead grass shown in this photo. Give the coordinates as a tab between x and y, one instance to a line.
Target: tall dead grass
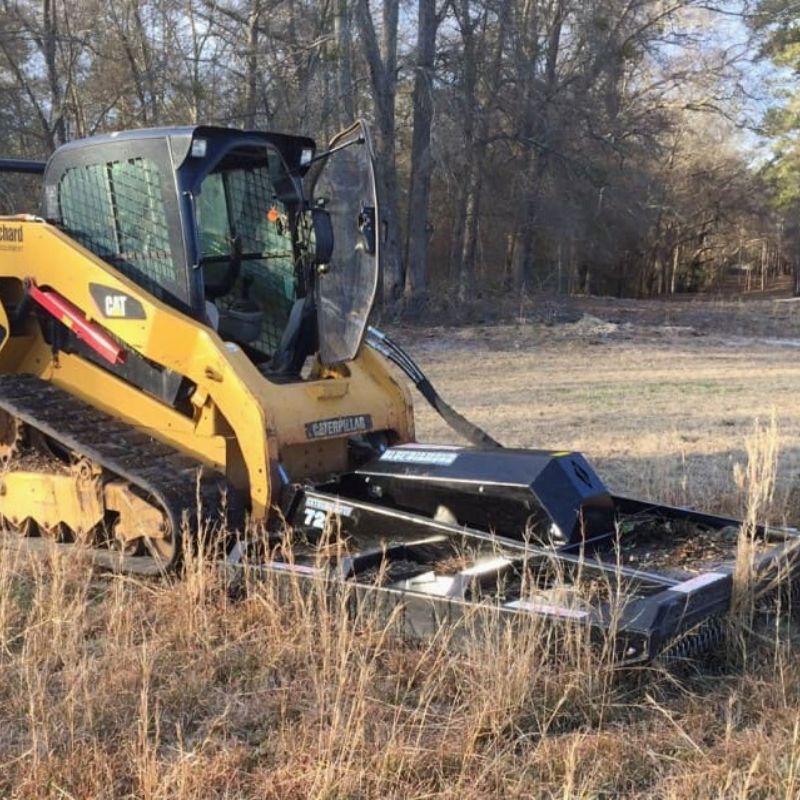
118	687
756	482
114	687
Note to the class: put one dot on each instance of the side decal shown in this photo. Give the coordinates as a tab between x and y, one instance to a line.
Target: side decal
113	304
338	426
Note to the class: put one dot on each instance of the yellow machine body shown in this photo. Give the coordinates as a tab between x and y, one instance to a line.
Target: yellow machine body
241	422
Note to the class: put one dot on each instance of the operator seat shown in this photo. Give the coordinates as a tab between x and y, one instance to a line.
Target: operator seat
212	315
299	339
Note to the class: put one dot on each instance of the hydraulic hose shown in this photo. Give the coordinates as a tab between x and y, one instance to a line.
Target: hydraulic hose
389	349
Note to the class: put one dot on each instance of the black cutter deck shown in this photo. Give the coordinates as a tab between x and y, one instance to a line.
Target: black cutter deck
403	518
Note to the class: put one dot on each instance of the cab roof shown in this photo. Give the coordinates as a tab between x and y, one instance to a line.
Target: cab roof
181	137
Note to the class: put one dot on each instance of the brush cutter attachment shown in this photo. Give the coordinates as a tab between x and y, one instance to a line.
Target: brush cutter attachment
443	532
543	497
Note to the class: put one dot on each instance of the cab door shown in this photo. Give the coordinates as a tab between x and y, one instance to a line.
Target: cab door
344	186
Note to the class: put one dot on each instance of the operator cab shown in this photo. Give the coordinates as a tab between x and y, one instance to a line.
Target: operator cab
246	231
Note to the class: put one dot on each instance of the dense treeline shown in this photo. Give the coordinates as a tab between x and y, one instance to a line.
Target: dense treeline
572	145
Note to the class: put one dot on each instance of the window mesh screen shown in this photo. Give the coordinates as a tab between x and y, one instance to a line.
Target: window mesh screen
273	295
268	281
266	275
116	210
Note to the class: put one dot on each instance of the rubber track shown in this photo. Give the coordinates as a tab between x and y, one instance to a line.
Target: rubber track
160	471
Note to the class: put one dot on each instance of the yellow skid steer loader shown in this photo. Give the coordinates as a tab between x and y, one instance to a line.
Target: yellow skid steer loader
184	339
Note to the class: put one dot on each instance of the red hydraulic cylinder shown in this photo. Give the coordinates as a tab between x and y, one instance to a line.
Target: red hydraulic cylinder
71	316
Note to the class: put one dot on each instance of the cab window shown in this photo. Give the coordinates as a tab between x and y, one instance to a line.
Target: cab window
116	209
246	246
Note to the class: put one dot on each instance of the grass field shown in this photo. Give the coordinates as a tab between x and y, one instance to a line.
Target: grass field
661	405
113	687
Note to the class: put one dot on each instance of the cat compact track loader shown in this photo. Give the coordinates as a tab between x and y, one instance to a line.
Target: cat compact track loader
185	341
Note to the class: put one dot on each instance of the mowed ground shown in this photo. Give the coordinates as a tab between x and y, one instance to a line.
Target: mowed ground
112	687
661	407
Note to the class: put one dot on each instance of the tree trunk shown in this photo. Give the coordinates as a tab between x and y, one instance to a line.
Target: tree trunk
469	254
345	105
49	45
676	259
468	112
477	115
540	124
522	266
251	65
459	192
421	165
796	272
383	76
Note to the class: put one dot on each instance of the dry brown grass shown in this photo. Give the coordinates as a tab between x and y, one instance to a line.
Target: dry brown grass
114	687
660	411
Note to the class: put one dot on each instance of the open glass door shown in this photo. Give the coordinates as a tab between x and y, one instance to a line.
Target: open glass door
344	186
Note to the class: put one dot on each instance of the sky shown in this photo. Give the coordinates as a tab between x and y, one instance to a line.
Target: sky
761	81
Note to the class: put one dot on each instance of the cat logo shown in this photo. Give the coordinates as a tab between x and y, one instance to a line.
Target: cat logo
115	305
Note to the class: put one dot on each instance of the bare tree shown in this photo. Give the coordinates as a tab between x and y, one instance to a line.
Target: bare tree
381	61
345	97
421	163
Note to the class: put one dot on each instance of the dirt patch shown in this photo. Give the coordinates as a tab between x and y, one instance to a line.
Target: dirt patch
33	460
753	314
589	325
